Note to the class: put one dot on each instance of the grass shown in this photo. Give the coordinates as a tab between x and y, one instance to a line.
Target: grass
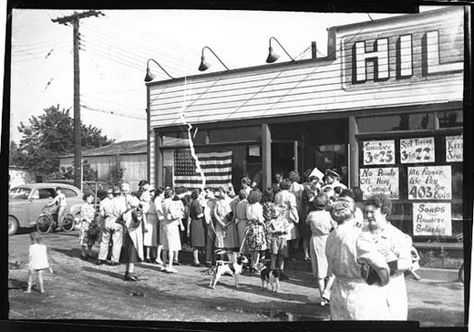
439	260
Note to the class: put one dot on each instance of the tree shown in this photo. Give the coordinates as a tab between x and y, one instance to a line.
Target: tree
51	135
17	156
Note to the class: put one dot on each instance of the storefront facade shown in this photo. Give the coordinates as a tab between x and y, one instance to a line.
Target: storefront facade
384	108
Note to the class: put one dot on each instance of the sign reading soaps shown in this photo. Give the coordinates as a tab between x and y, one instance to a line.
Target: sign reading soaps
379	181
432	219
430	182
454	146
379	152
417	150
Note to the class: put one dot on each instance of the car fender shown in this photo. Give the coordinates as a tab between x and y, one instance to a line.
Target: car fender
20	213
75	208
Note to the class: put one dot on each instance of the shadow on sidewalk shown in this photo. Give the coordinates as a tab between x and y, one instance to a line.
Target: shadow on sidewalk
104	272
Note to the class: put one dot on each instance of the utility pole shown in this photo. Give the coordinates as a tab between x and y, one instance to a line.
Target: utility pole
74	21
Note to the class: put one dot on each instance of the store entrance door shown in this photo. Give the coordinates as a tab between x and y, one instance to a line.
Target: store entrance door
285	156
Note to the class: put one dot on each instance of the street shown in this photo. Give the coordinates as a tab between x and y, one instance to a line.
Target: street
79	289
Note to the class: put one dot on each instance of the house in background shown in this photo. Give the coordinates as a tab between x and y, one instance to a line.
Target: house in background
132	156
19	176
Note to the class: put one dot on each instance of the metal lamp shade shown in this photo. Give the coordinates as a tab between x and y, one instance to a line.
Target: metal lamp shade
204	65
149	76
272	56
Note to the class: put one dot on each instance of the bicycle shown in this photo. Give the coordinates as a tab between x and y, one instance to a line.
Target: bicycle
48	221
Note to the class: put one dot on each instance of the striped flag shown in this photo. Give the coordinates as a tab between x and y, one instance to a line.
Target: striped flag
217	168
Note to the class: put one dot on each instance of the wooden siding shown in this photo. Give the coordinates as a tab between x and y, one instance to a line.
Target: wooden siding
151	158
313	86
135	166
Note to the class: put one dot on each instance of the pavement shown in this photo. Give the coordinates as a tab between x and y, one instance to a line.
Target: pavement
82	290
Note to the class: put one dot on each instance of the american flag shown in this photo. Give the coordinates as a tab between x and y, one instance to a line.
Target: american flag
217	168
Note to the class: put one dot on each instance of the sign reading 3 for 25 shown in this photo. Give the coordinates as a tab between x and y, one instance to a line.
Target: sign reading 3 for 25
379	152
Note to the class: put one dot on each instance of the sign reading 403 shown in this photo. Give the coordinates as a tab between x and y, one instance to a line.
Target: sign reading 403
379	152
430	182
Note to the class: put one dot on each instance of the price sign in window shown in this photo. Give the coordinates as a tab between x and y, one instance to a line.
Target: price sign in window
379	152
429	182
454	145
417	150
432	219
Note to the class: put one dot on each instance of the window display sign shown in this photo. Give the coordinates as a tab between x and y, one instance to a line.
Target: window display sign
429	182
432	219
379	152
454	146
379	181
417	150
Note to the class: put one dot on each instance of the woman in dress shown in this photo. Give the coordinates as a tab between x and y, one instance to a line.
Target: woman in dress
347	252
396	248
321	224
87	216
159	197
255	238
150	229
226	232
240	216
172	219
288	200
197	227
269	213
310	192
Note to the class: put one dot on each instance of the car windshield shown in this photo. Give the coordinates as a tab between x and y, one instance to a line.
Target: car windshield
19	193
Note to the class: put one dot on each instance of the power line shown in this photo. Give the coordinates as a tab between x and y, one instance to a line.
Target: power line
112	113
118	60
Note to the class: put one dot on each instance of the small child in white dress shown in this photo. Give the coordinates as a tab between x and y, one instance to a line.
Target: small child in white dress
37	261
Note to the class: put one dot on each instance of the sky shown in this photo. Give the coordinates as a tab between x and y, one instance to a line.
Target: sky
116	46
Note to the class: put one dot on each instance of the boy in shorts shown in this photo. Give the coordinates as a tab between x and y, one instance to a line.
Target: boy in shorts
278	230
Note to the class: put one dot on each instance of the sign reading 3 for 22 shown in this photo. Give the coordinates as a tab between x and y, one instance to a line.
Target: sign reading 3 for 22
417	150
379	152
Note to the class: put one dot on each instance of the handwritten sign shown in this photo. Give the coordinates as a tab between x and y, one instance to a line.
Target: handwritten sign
429	182
454	146
417	150
432	219
379	181
379	152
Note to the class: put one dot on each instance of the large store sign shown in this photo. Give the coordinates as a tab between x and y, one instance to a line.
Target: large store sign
432	219
403	54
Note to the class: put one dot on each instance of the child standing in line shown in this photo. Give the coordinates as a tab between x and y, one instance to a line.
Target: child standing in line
278	230
37	261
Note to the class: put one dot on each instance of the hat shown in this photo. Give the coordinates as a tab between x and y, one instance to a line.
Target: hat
317	173
332	172
116	190
110	191
320	201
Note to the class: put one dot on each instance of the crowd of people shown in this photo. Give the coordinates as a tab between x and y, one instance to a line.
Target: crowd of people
355	253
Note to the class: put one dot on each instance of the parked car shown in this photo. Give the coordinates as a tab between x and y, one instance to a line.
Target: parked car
27	201
90	187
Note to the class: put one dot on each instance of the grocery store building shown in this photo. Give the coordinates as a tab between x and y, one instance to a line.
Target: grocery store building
384	107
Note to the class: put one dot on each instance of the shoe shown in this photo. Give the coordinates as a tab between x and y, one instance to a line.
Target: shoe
100	262
162	268
158	261
197	264
176	263
114	263
171	270
130	277
307	259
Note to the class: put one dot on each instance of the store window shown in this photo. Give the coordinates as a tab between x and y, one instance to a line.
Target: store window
417	121
450	119
423	176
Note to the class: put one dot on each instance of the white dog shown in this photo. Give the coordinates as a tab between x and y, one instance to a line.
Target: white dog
227	267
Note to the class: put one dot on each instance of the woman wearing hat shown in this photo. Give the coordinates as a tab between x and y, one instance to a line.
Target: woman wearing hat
321	224
332	180
150	229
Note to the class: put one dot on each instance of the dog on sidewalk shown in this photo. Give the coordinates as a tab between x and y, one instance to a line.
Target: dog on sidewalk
227	267
272	277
